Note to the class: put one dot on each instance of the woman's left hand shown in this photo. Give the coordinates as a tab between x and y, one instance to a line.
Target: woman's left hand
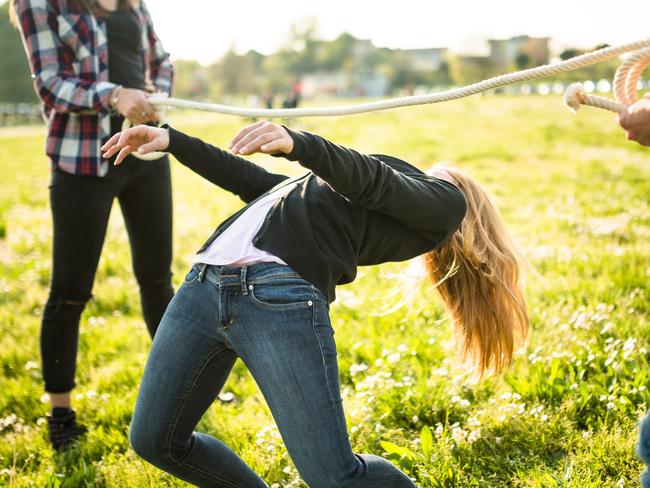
141	138
263	137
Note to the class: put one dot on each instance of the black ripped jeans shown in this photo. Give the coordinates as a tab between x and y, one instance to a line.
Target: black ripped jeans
81	207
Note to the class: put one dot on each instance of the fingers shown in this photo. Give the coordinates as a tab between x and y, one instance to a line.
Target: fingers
149	147
243	133
255	142
113	140
272	146
259	137
151	114
142	113
124	152
130	139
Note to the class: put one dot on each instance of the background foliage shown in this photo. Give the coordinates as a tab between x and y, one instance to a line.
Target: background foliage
576	196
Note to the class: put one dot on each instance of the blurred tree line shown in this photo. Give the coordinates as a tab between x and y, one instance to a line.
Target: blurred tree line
15	81
303	53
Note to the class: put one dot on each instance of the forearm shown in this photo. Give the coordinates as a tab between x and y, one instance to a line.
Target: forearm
55	83
430	206
232	173
63	94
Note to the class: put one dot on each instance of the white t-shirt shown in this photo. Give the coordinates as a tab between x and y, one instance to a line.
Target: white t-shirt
235	245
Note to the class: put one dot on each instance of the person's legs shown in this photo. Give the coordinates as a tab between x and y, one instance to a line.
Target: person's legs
146	204
187	366
643	449
280	328
80	211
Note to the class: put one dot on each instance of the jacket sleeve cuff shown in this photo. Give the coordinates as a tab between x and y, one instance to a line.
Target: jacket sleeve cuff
300	150
104	89
177	140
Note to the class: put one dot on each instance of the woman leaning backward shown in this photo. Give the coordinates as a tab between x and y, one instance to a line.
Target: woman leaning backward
261	286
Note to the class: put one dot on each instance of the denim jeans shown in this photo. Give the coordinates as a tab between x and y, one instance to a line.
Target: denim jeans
81	206
278	324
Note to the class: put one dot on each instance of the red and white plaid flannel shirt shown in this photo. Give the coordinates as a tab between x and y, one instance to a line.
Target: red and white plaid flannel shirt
68	56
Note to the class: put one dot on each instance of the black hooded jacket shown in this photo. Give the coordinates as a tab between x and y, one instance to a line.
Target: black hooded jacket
350	210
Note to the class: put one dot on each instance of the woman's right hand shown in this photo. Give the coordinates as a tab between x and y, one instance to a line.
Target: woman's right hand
133	105
142	138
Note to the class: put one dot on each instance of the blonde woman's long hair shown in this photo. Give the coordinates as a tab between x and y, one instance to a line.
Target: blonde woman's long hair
478	275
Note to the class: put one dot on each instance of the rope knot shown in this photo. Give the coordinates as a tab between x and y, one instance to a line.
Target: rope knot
574	96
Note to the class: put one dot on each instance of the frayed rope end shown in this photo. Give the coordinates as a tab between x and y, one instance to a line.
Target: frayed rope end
574	96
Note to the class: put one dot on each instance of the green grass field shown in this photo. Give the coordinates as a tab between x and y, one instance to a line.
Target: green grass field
576	196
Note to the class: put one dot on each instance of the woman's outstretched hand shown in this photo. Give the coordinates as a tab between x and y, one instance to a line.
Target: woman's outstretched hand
263	137
142	138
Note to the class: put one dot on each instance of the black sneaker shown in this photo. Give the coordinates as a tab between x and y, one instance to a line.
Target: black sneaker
63	428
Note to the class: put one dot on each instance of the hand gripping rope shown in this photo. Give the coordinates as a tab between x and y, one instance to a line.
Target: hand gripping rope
625	88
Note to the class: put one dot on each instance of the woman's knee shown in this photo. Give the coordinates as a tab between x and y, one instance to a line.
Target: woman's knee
64	308
319	473
149	443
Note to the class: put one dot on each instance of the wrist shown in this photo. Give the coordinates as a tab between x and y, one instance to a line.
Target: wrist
165	137
114	98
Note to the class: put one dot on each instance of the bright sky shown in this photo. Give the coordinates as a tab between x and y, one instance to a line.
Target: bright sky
204	29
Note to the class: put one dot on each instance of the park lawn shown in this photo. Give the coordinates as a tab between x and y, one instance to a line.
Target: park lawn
576	196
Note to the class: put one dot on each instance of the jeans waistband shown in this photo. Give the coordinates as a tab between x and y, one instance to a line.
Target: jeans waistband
247	274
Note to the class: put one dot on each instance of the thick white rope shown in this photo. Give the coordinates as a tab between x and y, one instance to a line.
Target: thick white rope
625	86
633	66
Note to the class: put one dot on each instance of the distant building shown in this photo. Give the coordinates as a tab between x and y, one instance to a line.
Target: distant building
427	59
504	52
362	48
470	69
339	84
323	83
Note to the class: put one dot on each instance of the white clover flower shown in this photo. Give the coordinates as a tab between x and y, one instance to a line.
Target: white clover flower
29	365
358	368
474	436
393	358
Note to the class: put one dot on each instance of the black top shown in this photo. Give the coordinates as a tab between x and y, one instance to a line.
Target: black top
351	210
125	62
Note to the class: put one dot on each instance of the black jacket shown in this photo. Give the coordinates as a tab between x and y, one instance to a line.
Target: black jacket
350	210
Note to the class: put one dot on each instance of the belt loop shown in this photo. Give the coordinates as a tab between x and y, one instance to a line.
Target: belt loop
202	267
244	289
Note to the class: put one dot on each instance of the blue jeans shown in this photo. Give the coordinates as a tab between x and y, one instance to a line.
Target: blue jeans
278	324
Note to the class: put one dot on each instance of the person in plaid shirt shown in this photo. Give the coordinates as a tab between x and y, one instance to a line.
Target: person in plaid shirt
92	64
